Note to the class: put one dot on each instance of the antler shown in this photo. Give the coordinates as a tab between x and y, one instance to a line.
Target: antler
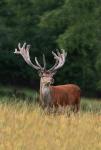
59	57
24	51
60	60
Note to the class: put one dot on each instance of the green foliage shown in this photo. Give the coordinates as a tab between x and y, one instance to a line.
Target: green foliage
47	25
17	94
90	105
82	41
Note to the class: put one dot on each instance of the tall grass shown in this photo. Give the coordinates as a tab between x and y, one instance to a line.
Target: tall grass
26	126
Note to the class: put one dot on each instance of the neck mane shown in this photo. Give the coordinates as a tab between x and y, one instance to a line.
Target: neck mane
45	94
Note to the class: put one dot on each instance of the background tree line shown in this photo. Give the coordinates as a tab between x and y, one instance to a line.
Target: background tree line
49	25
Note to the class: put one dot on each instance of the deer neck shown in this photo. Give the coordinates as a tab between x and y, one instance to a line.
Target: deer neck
45	94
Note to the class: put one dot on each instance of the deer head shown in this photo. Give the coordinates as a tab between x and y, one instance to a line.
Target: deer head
46	75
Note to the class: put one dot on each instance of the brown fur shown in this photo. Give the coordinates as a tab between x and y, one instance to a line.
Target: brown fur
64	95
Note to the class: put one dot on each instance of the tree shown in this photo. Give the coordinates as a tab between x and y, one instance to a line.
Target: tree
48	25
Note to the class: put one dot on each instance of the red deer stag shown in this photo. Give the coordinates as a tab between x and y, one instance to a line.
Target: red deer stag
62	95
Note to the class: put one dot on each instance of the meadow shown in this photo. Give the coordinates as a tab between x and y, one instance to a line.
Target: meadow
25	125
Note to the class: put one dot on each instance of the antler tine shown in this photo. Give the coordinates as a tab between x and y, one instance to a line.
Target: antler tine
44	62
28	47
64	52
19	46
16	51
38	63
55	56
24	51
60	60
59	55
56	63
23	47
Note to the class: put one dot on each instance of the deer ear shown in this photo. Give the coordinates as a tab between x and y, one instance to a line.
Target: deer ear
40	73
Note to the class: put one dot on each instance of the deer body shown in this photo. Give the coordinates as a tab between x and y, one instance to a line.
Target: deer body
63	95
66	95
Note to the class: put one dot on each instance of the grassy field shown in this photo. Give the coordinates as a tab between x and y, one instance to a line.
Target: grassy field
25	126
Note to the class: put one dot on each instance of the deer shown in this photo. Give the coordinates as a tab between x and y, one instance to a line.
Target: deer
60	95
